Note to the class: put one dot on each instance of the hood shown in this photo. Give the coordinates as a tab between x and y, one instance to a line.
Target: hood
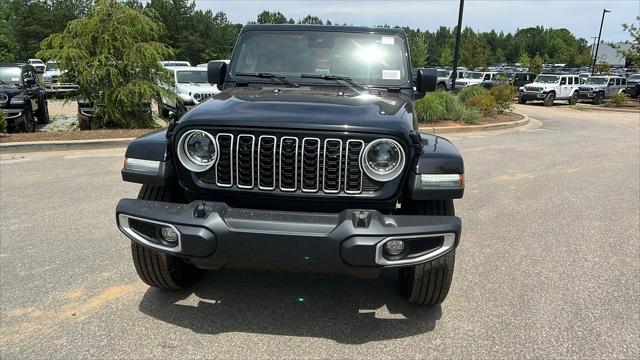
8	90
195	88
320	108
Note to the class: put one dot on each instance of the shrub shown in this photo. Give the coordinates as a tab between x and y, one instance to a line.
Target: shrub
484	103
504	95
470	91
3	122
429	109
471	116
618	99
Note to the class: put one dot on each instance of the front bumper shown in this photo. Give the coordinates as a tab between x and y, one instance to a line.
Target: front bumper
349	240
533	95
586	95
60	87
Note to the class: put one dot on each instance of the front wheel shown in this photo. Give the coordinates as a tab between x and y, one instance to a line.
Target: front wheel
549	99
574	99
29	124
156	268
597	100
428	284
43	110
521	100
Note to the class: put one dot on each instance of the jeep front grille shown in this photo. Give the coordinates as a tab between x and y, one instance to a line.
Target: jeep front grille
289	164
533	88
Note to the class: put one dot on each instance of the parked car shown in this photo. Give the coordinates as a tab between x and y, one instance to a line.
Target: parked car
444	80
298	165
520	79
633	86
174	63
37	64
474	78
551	87
22	99
53	80
191	87
598	88
496	79
583	77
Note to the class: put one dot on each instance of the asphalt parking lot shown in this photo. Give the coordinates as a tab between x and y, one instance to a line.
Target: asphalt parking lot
548	267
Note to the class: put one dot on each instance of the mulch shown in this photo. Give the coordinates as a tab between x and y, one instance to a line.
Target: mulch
74	135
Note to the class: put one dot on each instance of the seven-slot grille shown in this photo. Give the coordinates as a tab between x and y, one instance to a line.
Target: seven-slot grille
289	164
533	88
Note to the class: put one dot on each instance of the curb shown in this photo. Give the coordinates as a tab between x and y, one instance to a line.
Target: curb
63	145
470	128
605	109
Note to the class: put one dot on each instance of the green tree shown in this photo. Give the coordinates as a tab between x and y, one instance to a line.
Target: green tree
633	53
418	48
523	60
535	66
311	20
276	17
114	54
446	57
473	50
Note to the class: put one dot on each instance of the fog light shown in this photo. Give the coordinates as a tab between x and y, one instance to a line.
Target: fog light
394	247
169	234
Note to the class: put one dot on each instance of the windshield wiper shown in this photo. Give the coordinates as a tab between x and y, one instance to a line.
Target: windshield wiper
335	78
264	75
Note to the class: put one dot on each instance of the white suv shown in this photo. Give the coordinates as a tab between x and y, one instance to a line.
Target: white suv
551	87
191	86
475	78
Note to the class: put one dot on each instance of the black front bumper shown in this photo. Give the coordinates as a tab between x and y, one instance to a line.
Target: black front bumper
530	96
349	240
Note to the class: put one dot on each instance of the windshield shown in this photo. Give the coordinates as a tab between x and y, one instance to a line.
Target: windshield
10	75
192	76
597	80
366	58
634	77
474	75
547	79
36	62
443	73
51	66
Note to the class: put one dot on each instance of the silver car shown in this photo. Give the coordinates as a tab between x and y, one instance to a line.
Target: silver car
598	88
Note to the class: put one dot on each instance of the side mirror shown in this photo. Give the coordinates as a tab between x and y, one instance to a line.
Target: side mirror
426	80
216	72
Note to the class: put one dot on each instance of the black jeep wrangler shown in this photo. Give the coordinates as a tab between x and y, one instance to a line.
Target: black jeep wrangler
22	97
310	158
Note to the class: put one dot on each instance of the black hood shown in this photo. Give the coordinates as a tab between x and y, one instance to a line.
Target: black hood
312	108
9	90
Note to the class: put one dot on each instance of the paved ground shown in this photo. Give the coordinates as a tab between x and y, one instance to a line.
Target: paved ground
549	265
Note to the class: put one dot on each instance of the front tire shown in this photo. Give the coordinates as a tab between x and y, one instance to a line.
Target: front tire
549	99
574	99
29	123
43	110
521	100
428	284
158	269
598	99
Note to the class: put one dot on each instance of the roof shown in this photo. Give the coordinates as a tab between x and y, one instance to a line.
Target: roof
303	27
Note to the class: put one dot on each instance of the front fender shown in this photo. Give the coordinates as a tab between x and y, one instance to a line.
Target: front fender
438	156
151	147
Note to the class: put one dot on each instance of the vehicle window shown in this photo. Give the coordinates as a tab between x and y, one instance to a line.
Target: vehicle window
10	75
548	79
611	82
570	81
593	80
191	76
474	75
366	58
563	81
443	73
487	77
623	81
51	66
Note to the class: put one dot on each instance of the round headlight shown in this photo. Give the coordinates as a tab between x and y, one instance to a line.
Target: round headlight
383	159
198	97
197	150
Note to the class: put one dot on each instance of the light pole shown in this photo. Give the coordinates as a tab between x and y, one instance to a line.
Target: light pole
593	48
456	52
595	56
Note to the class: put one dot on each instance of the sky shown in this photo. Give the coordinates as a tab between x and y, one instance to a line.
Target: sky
580	17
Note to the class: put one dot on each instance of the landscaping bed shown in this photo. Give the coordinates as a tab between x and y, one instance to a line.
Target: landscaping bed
493	119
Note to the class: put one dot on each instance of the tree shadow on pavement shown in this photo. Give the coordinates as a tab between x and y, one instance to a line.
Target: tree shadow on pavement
340	308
